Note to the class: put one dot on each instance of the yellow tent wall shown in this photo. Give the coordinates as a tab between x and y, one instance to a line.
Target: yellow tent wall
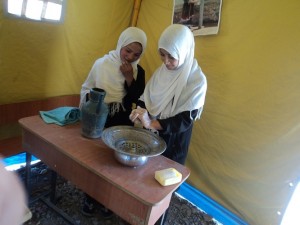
245	148
41	60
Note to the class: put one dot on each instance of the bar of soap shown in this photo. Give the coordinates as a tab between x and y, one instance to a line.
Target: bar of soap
168	176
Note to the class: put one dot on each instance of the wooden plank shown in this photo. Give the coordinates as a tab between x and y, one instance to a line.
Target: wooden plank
11	113
11	146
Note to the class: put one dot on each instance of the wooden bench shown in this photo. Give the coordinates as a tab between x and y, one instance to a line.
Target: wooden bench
11	142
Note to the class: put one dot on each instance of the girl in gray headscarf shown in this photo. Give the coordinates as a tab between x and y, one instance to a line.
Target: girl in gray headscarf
175	94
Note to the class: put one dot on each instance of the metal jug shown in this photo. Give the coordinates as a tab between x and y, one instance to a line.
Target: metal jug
94	114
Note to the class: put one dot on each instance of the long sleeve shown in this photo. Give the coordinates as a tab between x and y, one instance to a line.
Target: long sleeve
176	124
176	132
179	123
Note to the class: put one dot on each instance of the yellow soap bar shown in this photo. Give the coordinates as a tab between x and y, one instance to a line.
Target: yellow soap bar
168	176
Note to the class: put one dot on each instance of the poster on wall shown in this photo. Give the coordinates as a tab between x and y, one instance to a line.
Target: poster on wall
201	16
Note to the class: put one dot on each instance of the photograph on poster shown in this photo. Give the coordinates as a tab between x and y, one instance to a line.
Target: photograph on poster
201	16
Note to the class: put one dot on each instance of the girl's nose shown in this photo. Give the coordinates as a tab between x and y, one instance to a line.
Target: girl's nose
166	61
130	57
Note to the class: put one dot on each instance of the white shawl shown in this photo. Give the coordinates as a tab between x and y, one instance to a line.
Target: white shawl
106	74
169	92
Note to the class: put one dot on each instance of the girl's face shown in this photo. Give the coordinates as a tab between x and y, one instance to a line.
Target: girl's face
170	62
131	52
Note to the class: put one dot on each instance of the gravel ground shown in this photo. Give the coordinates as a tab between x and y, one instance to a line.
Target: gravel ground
69	200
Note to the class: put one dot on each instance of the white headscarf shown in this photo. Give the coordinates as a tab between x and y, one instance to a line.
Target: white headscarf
106	73
169	92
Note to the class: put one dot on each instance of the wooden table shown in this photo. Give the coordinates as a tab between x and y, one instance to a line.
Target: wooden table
131	193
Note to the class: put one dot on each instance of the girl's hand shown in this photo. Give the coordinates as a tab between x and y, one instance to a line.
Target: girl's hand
143	116
140	115
134	116
127	71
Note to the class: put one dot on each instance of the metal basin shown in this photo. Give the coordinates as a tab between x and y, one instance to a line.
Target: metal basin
133	146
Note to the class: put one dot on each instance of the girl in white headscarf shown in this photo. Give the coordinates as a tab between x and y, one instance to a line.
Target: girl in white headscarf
175	94
119	74
123	80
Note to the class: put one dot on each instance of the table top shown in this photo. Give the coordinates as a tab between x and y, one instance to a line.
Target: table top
95	156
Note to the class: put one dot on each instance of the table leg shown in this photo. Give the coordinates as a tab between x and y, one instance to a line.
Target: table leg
162	219
53	186
28	173
53	199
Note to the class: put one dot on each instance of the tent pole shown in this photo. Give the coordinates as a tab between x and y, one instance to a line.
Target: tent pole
135	14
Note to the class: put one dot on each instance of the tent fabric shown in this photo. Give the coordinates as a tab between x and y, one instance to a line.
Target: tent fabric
40	60
244	152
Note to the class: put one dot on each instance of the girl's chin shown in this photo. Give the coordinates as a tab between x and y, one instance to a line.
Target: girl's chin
170	67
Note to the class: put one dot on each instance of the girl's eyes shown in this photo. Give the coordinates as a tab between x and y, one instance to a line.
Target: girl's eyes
169	56
129	51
